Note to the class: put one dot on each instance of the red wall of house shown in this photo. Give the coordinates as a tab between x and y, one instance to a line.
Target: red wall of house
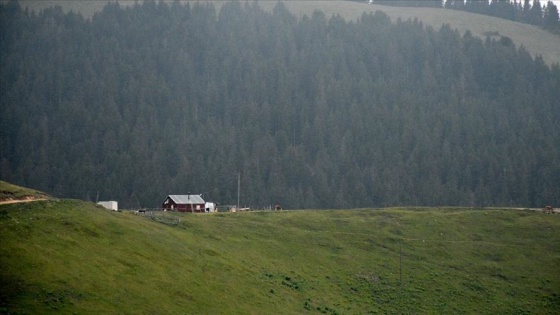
169	204
183	207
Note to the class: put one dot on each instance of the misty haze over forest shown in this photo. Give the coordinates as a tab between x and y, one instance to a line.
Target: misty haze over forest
163	98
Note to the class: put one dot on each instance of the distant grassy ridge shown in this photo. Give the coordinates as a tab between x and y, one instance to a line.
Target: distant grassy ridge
9	192
534	39
74	257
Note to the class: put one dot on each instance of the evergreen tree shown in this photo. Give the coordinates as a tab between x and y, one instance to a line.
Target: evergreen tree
551	20
536	13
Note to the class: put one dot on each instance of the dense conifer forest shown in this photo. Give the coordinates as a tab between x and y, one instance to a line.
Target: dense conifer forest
315	112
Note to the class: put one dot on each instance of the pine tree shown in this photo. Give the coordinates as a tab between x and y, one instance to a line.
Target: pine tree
536	13
551	19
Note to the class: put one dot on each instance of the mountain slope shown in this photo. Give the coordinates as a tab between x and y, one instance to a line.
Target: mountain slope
534	39
69	257
315	112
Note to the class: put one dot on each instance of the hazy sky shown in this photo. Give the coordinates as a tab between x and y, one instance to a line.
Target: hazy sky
543	3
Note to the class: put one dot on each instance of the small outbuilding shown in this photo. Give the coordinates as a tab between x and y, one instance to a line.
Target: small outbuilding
184	203
111	205
210	207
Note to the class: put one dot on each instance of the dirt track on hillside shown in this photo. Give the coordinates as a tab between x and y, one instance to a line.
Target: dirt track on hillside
25	199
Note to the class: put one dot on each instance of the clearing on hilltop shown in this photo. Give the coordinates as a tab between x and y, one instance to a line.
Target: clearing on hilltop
534	39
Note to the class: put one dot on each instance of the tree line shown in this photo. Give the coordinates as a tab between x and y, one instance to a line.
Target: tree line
523	11
143	101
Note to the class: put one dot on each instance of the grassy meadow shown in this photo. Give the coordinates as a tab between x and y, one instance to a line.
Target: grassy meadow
73	257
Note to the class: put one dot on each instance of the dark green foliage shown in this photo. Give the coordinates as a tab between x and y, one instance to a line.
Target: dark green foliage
551	19
155	99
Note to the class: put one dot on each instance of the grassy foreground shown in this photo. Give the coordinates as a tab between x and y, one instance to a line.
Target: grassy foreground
73	257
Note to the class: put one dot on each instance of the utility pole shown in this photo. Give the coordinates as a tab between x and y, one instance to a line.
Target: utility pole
238	188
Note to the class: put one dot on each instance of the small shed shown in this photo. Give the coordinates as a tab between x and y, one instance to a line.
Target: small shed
210	207
184	203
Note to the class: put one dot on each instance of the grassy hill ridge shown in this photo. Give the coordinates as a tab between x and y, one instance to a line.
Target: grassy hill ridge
70	256
10	192
537	41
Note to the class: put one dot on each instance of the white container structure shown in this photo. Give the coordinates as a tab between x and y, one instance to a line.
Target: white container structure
111	205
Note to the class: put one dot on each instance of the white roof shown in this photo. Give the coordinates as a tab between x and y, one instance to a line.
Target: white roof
186	199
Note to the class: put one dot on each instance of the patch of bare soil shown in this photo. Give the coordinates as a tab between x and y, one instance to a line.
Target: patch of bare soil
23	199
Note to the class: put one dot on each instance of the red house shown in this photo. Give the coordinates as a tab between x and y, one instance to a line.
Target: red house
184	203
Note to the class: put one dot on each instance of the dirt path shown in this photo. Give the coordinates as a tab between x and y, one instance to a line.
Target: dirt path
27	199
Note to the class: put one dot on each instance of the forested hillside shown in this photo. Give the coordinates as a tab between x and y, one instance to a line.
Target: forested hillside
155	99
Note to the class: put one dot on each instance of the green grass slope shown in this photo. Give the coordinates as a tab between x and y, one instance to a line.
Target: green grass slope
534	39
9	192
72	257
